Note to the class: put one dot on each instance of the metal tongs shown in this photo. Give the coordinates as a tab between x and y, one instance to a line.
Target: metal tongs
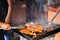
57	12
17	27
50	23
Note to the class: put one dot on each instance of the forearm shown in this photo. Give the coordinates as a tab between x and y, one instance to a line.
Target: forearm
0	24
7	19
9	7
9	11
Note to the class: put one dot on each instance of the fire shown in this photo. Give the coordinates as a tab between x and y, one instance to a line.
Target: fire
30	30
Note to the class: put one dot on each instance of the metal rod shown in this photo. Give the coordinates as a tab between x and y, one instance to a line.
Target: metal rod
50	23
57	12
16	27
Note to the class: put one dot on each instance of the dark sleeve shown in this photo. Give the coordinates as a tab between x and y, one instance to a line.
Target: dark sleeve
2	16
2	20
3	10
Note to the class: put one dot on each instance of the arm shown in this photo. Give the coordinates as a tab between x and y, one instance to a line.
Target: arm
6	26
7	19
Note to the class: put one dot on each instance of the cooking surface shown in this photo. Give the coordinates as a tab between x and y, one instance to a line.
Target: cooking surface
39	36
32	31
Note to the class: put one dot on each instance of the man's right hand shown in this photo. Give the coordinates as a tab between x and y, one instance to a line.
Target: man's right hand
5	26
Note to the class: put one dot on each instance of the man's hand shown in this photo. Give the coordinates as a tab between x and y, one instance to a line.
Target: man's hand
5	26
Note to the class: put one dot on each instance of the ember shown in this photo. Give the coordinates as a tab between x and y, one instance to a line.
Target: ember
32	31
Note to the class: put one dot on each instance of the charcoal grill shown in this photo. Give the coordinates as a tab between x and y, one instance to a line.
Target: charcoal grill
56	30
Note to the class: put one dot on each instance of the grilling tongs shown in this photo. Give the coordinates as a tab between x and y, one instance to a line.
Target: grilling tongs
50	23
17	27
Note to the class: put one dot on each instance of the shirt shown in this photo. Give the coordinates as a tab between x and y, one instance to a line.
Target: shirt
3	9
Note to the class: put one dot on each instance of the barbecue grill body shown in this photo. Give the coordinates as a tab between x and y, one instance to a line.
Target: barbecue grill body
57	29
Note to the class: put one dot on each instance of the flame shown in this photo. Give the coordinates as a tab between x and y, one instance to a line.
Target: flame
30	30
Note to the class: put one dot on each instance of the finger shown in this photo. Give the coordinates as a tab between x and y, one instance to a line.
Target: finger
8	28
